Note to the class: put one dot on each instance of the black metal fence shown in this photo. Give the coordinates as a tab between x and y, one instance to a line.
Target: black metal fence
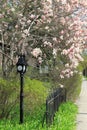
52	104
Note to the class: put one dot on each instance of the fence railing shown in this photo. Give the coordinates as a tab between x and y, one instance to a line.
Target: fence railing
52	104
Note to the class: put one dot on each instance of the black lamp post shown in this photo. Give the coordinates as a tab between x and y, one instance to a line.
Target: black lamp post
21	68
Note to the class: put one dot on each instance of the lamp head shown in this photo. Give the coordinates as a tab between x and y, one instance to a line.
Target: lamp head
21	64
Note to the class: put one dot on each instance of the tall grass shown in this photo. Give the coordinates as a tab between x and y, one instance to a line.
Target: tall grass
64	120
65	117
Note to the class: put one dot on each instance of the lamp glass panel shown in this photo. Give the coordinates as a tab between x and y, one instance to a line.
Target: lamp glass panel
24	68
19	68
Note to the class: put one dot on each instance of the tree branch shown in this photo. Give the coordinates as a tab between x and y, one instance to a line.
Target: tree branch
6	56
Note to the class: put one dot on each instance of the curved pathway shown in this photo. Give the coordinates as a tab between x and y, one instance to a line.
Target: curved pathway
82	105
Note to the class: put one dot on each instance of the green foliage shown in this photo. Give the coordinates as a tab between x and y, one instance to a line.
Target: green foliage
64	120
83	64
34	96
8	96
73	86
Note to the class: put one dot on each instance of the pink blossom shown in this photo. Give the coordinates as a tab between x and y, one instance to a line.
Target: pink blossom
47	27
68	7
29	21
55	52
61	76
61	37
1	16
26	31
64	52
62	20
32	16
36	52
46	43
78	56
67	75
40	60
16	26
55	39
62	32
67	65
63	1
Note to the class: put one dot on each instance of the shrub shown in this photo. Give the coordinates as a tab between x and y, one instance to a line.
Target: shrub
8	96
34	96
73	86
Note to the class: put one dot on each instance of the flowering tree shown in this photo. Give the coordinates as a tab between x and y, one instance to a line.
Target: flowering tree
70	34
47	29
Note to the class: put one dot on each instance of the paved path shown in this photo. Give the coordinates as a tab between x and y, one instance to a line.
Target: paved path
82	105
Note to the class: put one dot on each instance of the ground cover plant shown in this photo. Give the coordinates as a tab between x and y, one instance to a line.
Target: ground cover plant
64	120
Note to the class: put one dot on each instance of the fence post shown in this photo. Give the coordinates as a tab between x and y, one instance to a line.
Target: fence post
46	111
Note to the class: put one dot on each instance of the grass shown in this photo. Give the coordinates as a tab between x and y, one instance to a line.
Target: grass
64	120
